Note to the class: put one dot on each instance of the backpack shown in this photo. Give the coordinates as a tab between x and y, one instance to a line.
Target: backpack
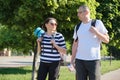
78	25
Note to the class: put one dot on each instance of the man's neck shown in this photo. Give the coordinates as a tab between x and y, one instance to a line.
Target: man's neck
86	20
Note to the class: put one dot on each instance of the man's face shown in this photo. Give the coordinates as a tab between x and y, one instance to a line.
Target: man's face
81	13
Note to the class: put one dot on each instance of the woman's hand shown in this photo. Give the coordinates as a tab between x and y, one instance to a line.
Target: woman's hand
53	41
39	40
60	49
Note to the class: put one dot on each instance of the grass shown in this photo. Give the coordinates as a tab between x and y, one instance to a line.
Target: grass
106	67
24	73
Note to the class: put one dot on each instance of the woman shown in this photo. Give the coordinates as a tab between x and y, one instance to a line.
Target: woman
51	45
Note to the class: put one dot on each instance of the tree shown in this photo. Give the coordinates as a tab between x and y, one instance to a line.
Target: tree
23	16
109	12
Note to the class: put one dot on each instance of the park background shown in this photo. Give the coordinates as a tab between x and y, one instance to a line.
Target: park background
19	19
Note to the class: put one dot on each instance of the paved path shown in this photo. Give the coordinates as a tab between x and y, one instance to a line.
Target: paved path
113	75
17	61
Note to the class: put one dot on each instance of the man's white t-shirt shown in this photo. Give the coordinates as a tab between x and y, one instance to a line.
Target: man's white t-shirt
89	43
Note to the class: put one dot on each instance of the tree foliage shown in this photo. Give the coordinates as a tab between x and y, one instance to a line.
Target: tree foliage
109	12
21	17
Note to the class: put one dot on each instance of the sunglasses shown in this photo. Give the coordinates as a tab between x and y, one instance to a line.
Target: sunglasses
53	24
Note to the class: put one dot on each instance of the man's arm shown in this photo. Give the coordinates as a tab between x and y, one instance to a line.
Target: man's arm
103	37
74	50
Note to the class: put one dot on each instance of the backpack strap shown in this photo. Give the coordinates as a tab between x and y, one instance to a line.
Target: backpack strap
53	37
78	25
93	22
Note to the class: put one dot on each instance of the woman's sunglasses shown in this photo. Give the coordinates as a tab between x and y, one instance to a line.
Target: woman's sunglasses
53	24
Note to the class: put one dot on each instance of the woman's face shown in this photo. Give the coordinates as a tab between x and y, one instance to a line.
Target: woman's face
51	25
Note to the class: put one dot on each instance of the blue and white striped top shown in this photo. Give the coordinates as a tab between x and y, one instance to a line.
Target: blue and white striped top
48	52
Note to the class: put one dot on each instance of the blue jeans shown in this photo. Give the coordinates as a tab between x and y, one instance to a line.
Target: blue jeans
87	69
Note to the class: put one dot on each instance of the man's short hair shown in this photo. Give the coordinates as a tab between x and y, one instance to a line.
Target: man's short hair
84	7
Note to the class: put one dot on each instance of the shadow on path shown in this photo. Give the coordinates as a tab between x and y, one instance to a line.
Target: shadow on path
17	70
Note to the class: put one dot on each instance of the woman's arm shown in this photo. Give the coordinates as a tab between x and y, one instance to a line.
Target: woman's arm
38	45
60	49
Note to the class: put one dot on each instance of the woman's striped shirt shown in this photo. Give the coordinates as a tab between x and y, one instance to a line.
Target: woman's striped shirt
48	52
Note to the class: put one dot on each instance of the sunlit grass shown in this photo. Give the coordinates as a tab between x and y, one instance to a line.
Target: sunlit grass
107	67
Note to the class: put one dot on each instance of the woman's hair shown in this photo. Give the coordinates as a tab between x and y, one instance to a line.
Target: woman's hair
46	21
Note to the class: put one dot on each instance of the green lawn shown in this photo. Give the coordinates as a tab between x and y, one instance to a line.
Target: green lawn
24	73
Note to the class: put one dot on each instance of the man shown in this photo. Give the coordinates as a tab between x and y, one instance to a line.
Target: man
86	50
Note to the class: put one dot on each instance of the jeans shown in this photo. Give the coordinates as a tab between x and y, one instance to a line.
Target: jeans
48	68
87	69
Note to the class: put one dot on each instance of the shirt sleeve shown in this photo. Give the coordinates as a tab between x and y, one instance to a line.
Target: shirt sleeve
75	34
62	41
100	26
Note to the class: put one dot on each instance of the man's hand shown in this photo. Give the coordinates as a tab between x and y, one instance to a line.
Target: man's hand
103	37
93	30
